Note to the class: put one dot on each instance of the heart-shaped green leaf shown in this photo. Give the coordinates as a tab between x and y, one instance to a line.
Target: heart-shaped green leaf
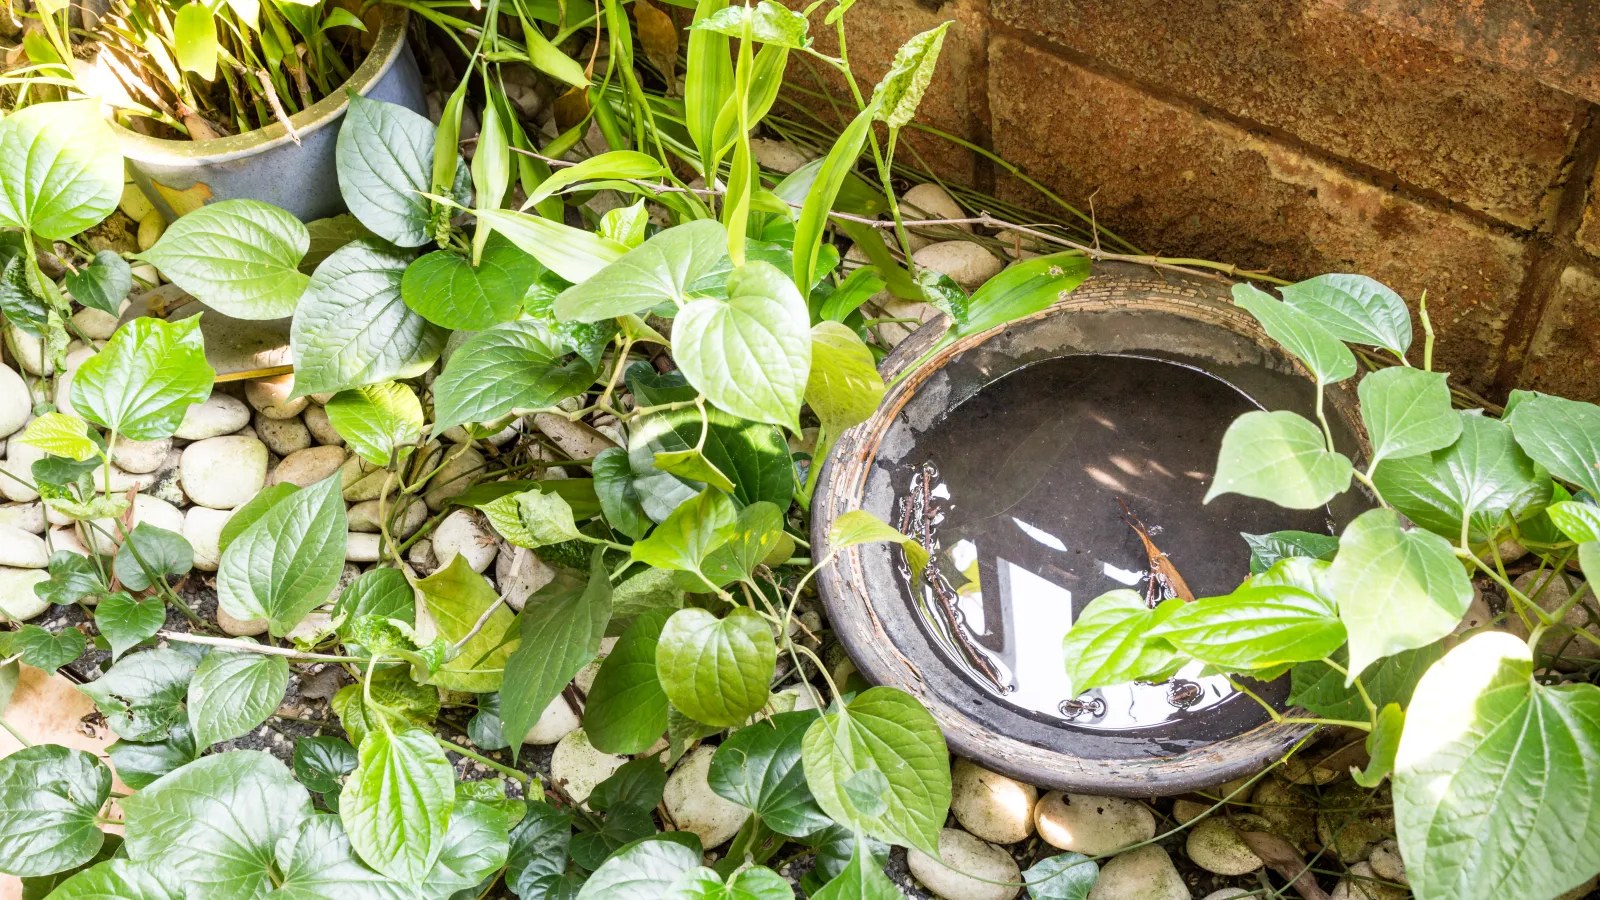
1325	355
758	767
145	379
385	162
643	870
560	633
142	696
1109	642
844	387
59	434
288	561
658	271
1482	478
751	354
1407	412
697	527
240	257
518	364
627	710
125	620
1561	435
376	418
45	649
1255	627
104	284
1279	456
396	807
61	168
457	598
49	797
1354	308
233	692
716	671
448	290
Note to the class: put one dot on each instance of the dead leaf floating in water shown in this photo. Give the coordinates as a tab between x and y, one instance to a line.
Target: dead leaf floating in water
1165	582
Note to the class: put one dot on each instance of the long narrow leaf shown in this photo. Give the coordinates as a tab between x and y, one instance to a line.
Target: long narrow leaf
819	200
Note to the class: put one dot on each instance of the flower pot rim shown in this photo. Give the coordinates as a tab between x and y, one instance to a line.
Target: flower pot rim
379	60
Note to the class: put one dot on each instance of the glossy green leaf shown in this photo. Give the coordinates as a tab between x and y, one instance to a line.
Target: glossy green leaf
150	552
103	284
125	621
518	364
49	797
900	92
233	692
560	633
1279	456
288	561
457	597
844	387
888	730
59	434
1561	435
376	418
140	763
658	271
217	821
316	862
751	354
862	878
321	761
411	703
1354	308
1325	355
716	671
572	253
1407	412
115	879
1497	779
1320	688
1109	644
627	709
144	380
240	257
643	870
861	527
72	577
1267	549
474	847
538	850
194	40
142	696
1066	876
448	290
353	328
60	169
1482	478
383	592
396	807
1382	744
692	465
546	518
619	498
758	767
1396	589
824	191
385	162
697	527
45	649
328	235
1256	627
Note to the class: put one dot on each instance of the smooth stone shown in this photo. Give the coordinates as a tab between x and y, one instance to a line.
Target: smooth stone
1387	863
75	360
574	439
282	436
140	457
321	399
18	602
155	511
65	539
22	549
1362	884
14	405
697	809
321	427
30	352
224	472
964	855
1215	846
1298	771
274	397
96	324
518	572
577	767
27	516
777	156
421	558
990	805
363	547
1555	588
240	627
464	533
216	416
1143	874
307	467
1288	811
202	528
167	485
556	722
930	201
367	516
1186	811
367	486
1478	614
452	479
1094	826
968	264
1227	894
586	675
18	464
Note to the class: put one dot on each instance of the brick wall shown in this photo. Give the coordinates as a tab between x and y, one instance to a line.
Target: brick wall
1439	145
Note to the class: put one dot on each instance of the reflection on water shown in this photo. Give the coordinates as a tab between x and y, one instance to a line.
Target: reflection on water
1017	505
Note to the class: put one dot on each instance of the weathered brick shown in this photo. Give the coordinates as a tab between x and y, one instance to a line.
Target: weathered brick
1565	355
1477	134
1588	236
874	30
1179	183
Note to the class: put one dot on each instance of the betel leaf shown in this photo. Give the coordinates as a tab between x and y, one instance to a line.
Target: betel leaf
1561	435
240	257
560	633
642	870
113	878
658	271
103	284
716	671
60	169
572	253
1320	688
288	561
1109	643
385	162
759	768
72	577
142	696
1382	743
328	235
538	849
217	821
1407	412
517	364
253	509
751	354
20	302
59	434
49	797
697	527
861	527
546	518
316	862
860	878
150	553
1354	308
1497	779
396	807
754	883
126	621
1065	876
1396	589
144	380
375	419
393	689
692	465
627	710
445	288
457	597
900	92
887	730
1325	355
1279	456
619	498
321	761
45	649
474	847
1255	627
1267	549
1472	486
140	763
353	328
844	387
234	691
382	592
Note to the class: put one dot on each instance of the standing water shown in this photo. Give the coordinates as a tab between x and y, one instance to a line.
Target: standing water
1029	498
